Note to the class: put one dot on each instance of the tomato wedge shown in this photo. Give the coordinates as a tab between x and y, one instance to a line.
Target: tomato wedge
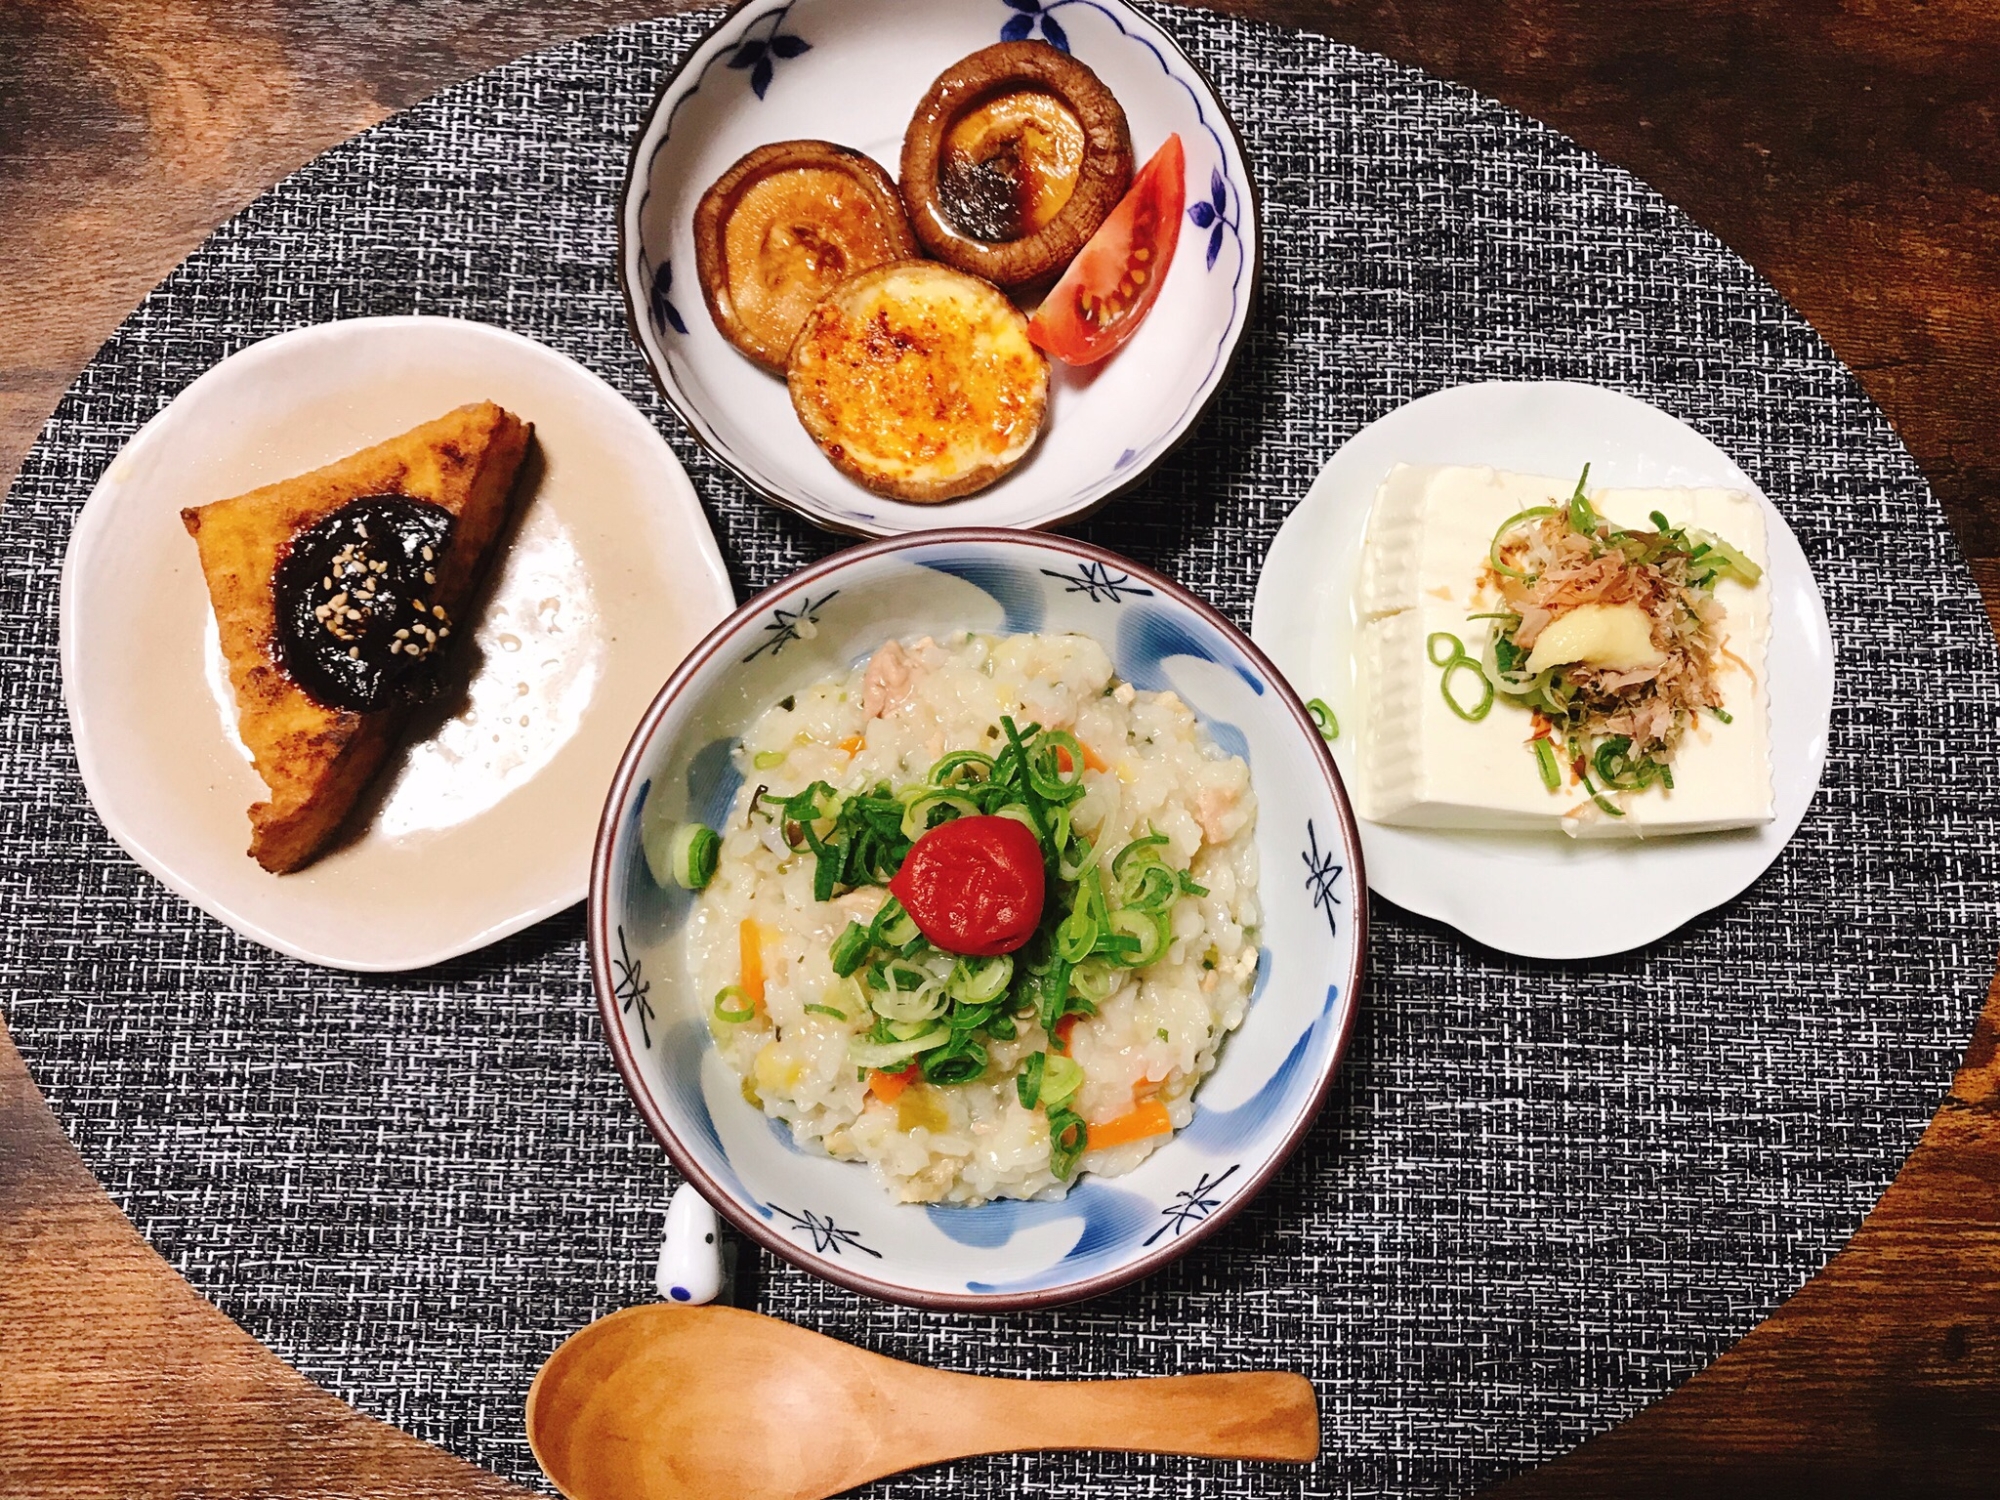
1108	289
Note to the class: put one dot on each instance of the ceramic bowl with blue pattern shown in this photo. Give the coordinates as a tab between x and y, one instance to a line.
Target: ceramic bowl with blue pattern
835	1218
853	72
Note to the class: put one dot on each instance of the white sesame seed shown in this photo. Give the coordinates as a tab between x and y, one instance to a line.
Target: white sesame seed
438	610
427	554
354	651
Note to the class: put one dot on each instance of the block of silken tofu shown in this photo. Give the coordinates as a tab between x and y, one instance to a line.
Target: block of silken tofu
1421	765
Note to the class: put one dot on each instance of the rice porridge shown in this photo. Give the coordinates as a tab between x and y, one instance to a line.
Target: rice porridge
1072	935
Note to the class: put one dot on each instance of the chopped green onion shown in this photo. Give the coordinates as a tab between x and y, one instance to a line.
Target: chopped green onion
903	991
827	1010
1095	979
1076	936
765	760
692	853
1028	1082
1149	887
1061	1078
1455	660
1069	1138
889	1057
1545	761
1074	853
1137	849
975	981
955	1063
1582	517
893	927
917	816
1493	548
1323	719
1659	521
957	768
850	948
1598	797
1046	773
732	1006
1147	929
1724	714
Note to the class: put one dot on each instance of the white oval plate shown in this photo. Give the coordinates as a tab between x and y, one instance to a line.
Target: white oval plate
483	822
1592	898
853	71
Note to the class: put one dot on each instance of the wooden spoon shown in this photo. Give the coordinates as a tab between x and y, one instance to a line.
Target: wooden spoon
661	1401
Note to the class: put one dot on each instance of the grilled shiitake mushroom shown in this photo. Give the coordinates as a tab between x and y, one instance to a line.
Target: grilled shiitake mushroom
1013	159
918	381
781	229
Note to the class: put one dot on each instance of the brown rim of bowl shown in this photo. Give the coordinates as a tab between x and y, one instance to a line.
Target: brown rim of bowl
635	325
748	1223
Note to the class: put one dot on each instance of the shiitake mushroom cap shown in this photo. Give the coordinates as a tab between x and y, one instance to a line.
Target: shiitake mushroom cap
919	381
1103	178
865	230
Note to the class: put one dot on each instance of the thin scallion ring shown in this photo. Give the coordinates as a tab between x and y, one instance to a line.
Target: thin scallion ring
1147	928
732	1006
1061	1078
947	771
892	1056
1533	512
1323	719
975	981
916	816
1545	761
1077	936
692	854
1069	1138
1028	1082
1456	661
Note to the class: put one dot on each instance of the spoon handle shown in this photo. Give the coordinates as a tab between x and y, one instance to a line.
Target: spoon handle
1261	1414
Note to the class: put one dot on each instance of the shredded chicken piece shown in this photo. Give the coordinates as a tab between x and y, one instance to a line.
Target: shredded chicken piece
862	903
886	685
1211	810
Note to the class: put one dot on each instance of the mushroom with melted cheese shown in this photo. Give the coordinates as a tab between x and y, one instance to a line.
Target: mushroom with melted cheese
918	381
783	227
1014	158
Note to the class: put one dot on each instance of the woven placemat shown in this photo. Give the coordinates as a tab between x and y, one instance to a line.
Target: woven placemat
1541	1194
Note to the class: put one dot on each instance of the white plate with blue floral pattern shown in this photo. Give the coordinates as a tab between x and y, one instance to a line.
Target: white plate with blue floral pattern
835	1218
853	71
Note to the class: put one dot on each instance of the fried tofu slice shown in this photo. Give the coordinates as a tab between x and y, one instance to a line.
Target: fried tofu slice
317	759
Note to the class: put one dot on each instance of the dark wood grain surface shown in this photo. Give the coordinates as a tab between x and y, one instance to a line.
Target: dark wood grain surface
1850	151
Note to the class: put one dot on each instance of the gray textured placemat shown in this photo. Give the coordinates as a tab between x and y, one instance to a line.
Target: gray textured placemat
1541	1194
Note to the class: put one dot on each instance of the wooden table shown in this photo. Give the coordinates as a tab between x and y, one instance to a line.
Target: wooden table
1850	151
